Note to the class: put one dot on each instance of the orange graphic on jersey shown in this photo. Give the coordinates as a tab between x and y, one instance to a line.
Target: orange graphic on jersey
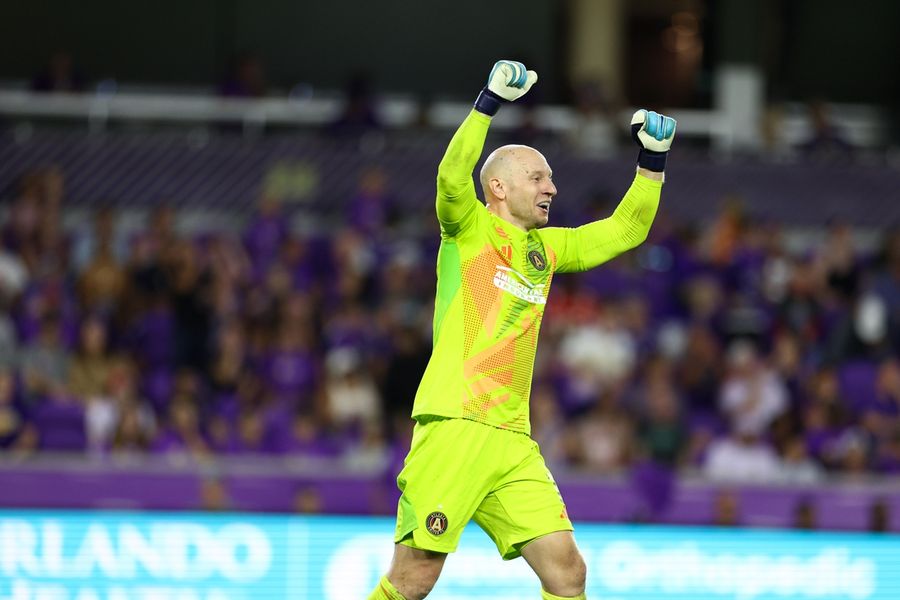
480	294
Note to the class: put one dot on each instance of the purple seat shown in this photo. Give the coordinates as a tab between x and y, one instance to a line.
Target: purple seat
857	383
157	388
61	425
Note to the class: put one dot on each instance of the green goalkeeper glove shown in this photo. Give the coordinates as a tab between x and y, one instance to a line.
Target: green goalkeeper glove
653	132
508	81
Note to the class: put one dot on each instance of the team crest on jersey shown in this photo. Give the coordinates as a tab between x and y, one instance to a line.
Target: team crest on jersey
436	523
537	260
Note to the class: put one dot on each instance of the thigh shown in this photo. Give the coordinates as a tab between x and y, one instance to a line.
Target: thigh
524	505
443	481
557	562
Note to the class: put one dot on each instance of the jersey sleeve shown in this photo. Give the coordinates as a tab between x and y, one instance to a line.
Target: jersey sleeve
585	247
456	199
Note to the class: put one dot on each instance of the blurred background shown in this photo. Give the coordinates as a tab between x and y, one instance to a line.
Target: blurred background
217	271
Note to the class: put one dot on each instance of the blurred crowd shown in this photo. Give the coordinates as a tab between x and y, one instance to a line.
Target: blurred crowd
713	347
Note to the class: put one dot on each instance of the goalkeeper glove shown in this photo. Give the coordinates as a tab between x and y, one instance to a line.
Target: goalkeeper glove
508	81
653	132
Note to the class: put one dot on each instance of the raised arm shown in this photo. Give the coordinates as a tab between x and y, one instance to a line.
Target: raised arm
585	247
455	187
456	197
590	245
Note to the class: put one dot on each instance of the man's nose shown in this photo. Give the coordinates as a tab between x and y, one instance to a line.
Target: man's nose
550	188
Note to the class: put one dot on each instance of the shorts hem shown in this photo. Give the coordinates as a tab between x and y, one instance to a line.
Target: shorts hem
515	549
410	540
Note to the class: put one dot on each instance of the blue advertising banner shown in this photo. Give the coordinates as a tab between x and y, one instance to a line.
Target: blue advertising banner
82	555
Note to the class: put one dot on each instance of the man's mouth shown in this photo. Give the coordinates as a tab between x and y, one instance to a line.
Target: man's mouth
544	206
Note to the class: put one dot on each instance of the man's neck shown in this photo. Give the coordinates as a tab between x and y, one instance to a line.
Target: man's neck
506	217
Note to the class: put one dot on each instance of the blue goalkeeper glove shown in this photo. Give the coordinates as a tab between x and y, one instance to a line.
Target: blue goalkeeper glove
653	132
508	81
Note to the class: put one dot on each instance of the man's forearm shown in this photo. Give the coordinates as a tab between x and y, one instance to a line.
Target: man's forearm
628	226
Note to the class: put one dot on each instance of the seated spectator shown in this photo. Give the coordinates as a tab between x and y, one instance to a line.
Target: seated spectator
879	517
307	436
180	433
251	435
103	281
726	509
752	395
865	332
214	496
308	501
350	393
805	515
547	425
16	433
797	467
90	368
826	142
45	363
605	437
742	458
59	424
134	431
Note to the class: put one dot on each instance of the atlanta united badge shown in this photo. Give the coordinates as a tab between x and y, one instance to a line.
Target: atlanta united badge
436	523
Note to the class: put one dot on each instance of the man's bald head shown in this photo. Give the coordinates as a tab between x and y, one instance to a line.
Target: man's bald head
505	163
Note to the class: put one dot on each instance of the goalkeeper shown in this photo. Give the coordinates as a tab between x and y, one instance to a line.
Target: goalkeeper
472	456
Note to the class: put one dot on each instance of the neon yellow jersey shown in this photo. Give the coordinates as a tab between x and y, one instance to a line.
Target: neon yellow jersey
493	284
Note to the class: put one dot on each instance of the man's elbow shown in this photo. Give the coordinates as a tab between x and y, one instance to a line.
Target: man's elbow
638	238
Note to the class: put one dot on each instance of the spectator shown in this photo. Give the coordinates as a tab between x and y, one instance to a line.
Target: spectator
805	515
797	467
90	368
742	458
214	496
879	517
9	339
188	288
826	142
60	75
45	363
16	433
308	501
726	509
371	207
181	433
594	135
752	395
351	395
102	283
246	78
605	437
360	112
134	432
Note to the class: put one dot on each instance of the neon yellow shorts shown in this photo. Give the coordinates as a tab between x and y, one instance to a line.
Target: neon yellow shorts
458	470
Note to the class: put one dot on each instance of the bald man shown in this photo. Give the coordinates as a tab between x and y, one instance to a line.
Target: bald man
472	457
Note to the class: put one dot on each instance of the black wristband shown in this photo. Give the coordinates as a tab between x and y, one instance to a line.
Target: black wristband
488	102
652	161
648	159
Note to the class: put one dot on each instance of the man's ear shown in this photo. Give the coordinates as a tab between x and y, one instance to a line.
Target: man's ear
498	188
